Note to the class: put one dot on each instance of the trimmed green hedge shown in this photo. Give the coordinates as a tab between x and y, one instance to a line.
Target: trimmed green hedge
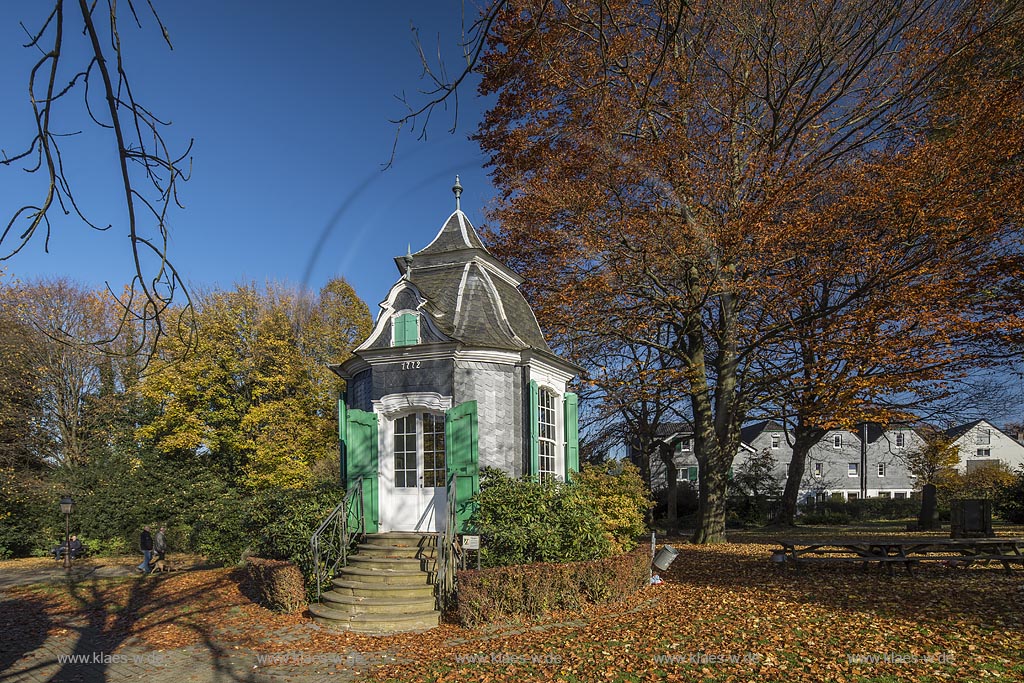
278	584
509	593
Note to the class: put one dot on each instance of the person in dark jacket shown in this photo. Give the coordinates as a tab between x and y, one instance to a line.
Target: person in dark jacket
146	545
75	547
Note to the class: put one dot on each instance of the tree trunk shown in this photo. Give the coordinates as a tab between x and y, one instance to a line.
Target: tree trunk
804	438
711	512
665	452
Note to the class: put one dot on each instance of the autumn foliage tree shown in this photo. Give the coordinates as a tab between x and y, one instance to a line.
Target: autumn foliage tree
255	398
692	177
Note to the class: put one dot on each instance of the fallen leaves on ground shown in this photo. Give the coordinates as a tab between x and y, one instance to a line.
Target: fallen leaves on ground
723	614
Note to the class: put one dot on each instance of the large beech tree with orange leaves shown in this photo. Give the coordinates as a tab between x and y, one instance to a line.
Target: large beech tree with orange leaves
719	180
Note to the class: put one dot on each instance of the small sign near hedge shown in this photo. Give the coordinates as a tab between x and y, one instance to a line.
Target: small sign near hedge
278	584
528	590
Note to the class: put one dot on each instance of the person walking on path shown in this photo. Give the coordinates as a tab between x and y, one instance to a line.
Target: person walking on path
146	545
160	543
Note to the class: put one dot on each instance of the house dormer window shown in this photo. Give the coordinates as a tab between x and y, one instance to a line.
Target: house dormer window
405	330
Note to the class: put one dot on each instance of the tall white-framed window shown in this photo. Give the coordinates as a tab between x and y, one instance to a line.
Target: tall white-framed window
851	469
901	440
419	450
776	441
881	469
819	470
547	436
837	440
684	445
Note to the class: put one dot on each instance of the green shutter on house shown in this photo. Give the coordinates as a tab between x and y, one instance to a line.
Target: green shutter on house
342	436
361	461
406	329
691	473
461	429
572	434
534	427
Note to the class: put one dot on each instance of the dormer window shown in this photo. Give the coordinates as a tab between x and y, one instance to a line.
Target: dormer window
405	330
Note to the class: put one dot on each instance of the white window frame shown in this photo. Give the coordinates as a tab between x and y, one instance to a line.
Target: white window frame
901	440
881	469
852	469
420	453
837	441
984	453
547	433
776	441
685	445
819	470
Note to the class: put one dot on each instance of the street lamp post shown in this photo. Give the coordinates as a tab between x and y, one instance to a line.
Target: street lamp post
66	506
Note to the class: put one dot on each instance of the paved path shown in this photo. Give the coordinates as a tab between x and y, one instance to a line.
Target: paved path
71	653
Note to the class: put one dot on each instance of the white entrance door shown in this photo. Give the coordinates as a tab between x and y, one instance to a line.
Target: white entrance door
412	491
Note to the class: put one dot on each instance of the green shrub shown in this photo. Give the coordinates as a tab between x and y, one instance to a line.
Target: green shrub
281	522
524	591
525	521
835	511
278	584
826	518
109	547
621	499
29	515
1010	499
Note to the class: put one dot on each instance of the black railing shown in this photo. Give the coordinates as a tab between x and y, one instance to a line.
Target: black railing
332	541
448	549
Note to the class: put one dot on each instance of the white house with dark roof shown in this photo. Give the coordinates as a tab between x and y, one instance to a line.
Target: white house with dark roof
981	444
847	463
456	376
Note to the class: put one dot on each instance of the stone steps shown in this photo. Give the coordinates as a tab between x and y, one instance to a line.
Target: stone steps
386	588
378	590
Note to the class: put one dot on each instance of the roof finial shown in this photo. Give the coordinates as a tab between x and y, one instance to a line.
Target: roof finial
457	189
407	259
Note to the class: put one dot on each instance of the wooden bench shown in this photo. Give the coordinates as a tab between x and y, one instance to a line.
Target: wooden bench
909	552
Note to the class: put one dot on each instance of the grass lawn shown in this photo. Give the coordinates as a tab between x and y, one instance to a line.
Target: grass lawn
724	613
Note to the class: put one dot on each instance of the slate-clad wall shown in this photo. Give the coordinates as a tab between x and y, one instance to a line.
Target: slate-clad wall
402	377
494	387
358	391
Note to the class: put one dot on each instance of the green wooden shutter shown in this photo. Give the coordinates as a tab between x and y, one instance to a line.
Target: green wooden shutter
534	429
406	329
461	429
361	462
691	473
342	437
572	434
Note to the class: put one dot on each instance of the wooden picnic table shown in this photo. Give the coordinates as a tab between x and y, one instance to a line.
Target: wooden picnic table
908	551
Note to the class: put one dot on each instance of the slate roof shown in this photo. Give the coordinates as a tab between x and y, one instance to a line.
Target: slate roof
751	432
469	295
956	432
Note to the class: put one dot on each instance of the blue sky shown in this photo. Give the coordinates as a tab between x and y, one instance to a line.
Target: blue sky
289	106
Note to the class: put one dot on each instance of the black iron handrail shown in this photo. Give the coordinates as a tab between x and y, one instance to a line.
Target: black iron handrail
447	549
333	539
